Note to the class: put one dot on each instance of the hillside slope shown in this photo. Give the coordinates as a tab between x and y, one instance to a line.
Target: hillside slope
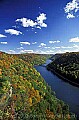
67	65
24	95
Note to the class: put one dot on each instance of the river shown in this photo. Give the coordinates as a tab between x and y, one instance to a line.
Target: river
64	91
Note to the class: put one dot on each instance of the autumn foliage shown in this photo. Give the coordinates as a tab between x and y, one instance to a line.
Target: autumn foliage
24	95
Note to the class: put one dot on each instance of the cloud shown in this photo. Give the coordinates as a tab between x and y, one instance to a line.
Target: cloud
44	52
59	51
11	52
54	41
40	20
13	32
40	52
27	22
50	52
34	43
20	48
2	36
42	44
53	48
57	47
3	42
24	43
38	23
38	27
47	47
68	47
76	46
71	8
26	51
74	39
62	47
70	16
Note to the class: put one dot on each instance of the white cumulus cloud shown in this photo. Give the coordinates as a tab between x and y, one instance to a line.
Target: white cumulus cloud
13	32
26	51
68	47
27	22
71	8
34	43
38	27
70	16
25	43
11	52
76	46
38	23
50	52
3	42
55	41
20	48
76	39
2	36
47	47
40	20
42	44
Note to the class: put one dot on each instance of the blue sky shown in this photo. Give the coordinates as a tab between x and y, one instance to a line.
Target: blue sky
39	26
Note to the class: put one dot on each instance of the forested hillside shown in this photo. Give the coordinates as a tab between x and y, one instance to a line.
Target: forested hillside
67	65
24	95
34	59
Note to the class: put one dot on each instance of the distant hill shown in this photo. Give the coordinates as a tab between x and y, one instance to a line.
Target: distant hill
34	59
54	57
67	65
24	95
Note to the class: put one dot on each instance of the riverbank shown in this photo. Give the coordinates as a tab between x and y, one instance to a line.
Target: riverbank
63	90
62	77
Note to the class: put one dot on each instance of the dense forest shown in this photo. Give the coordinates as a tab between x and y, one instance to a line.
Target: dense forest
34	59
67	65
24	95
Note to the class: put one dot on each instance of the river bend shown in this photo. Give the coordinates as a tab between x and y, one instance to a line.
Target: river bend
64	91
